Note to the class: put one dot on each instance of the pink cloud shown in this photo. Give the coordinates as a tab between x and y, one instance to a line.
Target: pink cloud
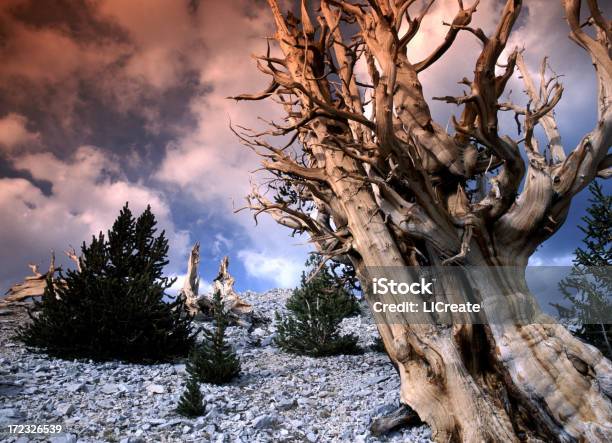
14	133
84	200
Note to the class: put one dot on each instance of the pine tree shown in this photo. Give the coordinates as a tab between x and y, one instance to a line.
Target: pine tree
214	360
589	285
316	309
191	403
116	306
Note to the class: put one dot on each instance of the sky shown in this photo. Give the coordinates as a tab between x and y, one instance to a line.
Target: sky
108	101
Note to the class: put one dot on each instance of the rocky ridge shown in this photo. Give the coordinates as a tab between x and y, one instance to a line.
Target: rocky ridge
278	397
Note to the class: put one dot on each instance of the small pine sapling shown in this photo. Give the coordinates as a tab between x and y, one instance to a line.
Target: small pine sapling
214	360
191	403
316	309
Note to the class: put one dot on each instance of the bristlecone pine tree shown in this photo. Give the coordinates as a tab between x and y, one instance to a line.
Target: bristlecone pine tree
376	181
589	285
316	309
214	360
191	403
114	307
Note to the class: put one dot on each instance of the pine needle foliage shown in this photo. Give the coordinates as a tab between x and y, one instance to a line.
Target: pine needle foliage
589	285
316	309
115	307
213	360
191	404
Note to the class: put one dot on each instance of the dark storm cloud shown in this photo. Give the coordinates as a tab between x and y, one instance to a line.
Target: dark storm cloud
77	18
91	100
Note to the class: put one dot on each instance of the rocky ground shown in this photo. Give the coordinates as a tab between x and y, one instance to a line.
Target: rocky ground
278	397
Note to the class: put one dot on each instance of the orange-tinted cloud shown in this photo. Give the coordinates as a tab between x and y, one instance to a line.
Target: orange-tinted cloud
14	132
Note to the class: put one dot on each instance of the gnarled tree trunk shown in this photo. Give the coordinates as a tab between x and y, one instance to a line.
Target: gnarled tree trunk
224	283
33	285
389	189
191	287
240	312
